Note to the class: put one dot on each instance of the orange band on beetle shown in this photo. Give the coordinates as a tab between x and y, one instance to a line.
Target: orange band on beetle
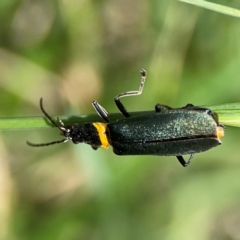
101	128
220	132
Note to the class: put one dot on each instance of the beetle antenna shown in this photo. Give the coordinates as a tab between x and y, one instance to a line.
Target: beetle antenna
65	131
45	144
47	115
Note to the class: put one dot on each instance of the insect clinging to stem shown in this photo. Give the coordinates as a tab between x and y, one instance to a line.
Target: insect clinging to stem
165	132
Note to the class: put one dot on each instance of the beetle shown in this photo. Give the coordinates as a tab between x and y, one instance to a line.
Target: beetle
165	132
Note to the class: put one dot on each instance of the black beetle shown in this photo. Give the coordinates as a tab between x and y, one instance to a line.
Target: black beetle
167	132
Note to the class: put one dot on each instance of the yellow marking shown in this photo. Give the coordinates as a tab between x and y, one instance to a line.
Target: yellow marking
220	132
101	128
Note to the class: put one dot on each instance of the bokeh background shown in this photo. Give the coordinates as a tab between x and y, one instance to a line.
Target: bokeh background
71	52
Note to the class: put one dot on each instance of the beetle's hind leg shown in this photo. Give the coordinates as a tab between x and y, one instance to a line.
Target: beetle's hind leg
120	106
159	107
183	162
189	105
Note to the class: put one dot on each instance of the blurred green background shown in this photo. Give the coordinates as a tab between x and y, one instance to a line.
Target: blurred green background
73	52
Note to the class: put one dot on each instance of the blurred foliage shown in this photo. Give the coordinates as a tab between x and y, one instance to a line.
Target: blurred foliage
73	52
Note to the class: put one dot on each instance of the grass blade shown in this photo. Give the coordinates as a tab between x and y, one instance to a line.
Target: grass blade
214	7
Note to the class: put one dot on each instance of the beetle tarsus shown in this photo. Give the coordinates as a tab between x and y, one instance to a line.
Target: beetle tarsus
183	162
120	106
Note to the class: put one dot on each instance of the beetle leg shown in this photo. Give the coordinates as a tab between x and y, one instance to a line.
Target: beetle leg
101	111
215	117
189	105
120	106
159	107
183	162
